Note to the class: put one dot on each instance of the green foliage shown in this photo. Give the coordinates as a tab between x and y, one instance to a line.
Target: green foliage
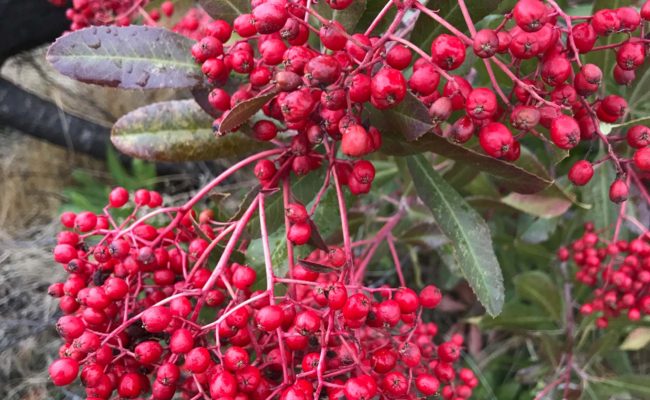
90	193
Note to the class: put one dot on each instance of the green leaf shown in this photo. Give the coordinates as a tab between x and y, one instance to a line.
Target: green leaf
176	131
637	339
128	57
410	118
373	7
538	288
467	231
243	111
636	385
348	17
519	317
603	212
542	204
426	29
226	9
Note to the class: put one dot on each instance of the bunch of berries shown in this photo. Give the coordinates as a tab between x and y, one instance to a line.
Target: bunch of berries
84	13
324	91
162	302
619	272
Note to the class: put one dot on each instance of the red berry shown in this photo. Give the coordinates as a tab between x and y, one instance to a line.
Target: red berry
269	318
481	104
581	172
357	307
167	8
156	319
181	341
430	296
399	57
486	43
447	51
243	277
296	213
631	55
63	371
565	132
332	36
584	37
235	358
605	22
642	159
530	15
118	197
427	384
198	360
388	88
269	17
495	139
638	136
355	141
299	233
618	191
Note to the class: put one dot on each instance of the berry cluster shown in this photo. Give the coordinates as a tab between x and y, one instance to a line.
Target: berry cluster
324	91
619	271
84	13
146	310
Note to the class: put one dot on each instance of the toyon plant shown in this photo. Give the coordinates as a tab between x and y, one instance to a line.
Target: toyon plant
333	106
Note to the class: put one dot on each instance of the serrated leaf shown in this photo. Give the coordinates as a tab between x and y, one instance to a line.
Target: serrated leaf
128	57
467	231
243	111
538	288
348	17
176	131
426	29
526	176
226	9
